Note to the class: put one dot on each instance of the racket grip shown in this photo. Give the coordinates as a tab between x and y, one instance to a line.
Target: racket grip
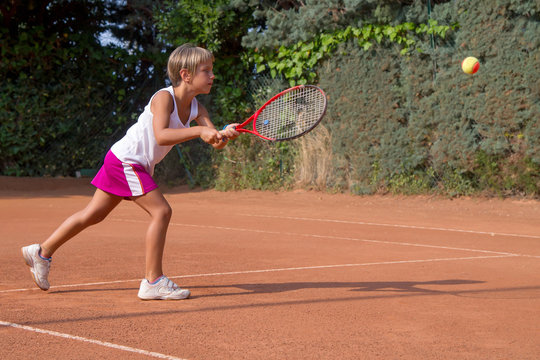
224	138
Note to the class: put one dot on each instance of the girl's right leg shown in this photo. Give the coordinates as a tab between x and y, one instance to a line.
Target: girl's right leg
99	207
38	257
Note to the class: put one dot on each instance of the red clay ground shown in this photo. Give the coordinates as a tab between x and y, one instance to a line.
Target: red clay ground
296	275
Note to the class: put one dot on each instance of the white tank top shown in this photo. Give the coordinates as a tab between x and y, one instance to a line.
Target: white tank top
139	145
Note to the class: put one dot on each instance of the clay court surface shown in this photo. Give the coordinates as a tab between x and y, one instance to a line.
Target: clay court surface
294	275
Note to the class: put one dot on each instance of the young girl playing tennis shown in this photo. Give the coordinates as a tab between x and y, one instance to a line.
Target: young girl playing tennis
129	165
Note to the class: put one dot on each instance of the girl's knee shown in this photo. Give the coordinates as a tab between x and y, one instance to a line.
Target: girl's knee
167	212
164	212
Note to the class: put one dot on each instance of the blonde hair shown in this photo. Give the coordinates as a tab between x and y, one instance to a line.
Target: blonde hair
187	56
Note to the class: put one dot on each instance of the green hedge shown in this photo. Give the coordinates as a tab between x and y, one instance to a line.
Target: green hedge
417	123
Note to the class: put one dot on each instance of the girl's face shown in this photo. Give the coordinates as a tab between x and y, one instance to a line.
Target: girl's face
204	77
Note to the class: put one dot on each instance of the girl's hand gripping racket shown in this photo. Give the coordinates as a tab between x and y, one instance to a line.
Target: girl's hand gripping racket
289	114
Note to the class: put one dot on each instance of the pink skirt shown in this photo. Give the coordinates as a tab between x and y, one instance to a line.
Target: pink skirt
123	179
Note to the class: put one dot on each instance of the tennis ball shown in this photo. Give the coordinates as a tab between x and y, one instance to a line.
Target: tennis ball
470	65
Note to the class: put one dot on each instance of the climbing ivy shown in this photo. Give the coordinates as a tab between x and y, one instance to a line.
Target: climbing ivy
297	63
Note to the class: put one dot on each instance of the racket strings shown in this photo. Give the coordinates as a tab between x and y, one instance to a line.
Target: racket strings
292	114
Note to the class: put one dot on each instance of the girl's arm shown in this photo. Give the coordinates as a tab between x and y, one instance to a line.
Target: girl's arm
162	106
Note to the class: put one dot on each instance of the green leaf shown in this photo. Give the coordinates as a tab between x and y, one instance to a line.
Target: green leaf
326	40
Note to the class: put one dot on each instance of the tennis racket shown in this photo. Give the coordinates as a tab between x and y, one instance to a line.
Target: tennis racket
290	114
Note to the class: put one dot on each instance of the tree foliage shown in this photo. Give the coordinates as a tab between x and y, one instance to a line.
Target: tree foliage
64	95
402	116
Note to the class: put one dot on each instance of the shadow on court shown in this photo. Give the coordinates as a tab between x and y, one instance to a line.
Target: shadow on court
270	288
399	289
395	286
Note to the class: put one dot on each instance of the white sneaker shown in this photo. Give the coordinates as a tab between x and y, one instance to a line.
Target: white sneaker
39	267
164	289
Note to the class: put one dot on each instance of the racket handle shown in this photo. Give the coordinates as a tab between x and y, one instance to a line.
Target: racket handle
224	138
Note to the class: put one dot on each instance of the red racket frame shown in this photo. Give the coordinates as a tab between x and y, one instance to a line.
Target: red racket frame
240	128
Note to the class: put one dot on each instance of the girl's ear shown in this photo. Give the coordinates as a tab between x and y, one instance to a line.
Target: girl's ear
185	75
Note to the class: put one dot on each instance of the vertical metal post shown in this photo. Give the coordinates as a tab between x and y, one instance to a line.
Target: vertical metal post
432	39
281	163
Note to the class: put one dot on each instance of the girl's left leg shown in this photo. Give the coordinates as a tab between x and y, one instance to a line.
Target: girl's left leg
160	213
155	285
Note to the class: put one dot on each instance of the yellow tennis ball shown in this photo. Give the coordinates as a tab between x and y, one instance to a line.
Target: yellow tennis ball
470	65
